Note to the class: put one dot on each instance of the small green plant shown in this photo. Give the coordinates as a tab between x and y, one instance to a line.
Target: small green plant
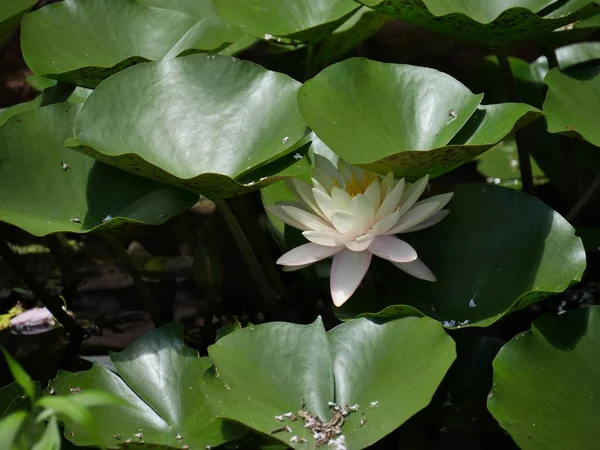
30	421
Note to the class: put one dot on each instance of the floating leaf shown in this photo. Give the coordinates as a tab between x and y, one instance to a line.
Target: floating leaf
390	371
54	189
500	165
489	23
159	377
302	20
439	124
225	127
92	39
545	383
572	105
10	16
498	250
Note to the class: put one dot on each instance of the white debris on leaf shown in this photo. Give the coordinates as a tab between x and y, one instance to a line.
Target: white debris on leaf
107	218
297	156
279	418
294	439
472	304
285	140
449	323
374	404
339	443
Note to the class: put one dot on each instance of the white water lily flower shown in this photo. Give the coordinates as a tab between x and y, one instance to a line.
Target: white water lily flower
352	214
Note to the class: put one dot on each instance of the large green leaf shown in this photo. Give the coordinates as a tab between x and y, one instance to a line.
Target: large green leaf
497	251
546	386
10	16
491	23
92	39
48	188
572	105
160	378
210	124
389	370
304	20
411	120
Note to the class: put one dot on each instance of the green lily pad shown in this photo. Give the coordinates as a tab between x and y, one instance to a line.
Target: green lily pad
572	105
92	39
10	16
226	127
390	371
546	148
499	250
302	20
546	383
54	189
500	165
353	107
159	377
363	24
489	23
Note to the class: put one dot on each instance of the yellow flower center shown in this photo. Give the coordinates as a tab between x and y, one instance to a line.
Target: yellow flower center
355	185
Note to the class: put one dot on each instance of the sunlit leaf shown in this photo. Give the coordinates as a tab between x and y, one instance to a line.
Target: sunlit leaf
54	189
226	127
159	377
545	383
389	370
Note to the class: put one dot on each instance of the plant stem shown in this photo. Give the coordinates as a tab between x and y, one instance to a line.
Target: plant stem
550	54
267	294
70	279
244	205
308	64
57	94
142	287
53	304
520	137
589	194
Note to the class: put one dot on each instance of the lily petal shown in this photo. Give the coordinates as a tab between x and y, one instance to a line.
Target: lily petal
361	243
392	249
412	194
324	201
364	211
304	193
437	217
326	238
341	199
307	254
373	193
417	269
386	223
347	271
420	213
387	184
326	172
278	212
391	200
309	220
343	221
294	268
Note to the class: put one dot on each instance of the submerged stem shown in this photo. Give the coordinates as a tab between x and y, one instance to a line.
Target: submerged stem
142	287
308	64
520	136
53	304
267	293
70	279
